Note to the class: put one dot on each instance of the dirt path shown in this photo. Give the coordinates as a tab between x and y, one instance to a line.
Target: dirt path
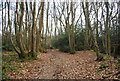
58	65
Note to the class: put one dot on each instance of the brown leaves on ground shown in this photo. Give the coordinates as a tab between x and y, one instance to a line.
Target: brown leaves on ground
59	65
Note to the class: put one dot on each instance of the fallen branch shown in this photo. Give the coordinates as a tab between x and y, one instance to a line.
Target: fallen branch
117	73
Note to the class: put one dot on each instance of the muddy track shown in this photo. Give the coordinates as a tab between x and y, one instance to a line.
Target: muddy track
58	65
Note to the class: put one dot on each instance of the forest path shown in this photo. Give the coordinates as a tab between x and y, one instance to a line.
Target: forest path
59	65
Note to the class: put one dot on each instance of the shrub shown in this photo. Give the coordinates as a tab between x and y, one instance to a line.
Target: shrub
61	42
79	41
6	43
64	49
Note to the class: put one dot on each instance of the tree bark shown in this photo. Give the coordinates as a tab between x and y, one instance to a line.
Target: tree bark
107	31
33	47
87	29
47	30
40	27
72	32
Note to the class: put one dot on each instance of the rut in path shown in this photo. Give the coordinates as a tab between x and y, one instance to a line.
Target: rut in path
59	65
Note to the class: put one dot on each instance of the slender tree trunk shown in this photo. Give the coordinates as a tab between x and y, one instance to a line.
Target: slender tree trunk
87	30
40	27
99	57
107	30
96	22
33	47
26	28
2	21
20	23
118	48
55	20
29	34
51	28
46	34
72	33
68	28
9	25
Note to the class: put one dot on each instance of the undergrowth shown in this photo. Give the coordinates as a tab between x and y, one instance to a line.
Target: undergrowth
118	65
8	66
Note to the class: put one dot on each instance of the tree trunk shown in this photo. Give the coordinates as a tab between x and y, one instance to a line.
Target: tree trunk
86	27
40	27
107	30
46	34
33	47
72	32
26	28
86	12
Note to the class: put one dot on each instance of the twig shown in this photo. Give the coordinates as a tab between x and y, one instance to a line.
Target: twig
117	73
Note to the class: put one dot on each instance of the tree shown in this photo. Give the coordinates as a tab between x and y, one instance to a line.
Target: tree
87	29
96	19
2	21
40	27
25	41
33	47
47	29
68	29
86	14
107	30
72	39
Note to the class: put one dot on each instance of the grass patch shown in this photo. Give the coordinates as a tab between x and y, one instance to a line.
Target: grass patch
26	60
91	52
8	66
105	54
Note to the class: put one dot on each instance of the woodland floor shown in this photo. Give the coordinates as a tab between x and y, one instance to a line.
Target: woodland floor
59	65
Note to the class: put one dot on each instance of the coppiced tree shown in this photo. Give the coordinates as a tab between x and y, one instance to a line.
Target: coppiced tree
26	41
